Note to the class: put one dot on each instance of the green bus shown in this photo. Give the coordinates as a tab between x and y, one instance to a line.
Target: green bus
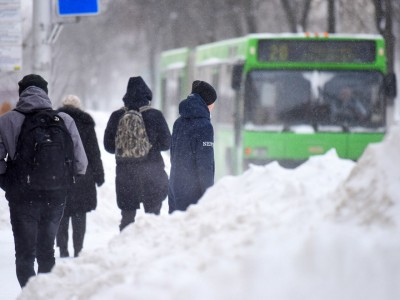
285	97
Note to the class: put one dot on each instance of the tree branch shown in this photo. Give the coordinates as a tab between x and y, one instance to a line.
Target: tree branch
290	15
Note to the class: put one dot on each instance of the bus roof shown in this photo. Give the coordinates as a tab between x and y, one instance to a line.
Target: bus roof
237	50
315	35
174	58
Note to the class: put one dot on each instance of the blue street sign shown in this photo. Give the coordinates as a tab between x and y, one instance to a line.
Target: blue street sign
77	7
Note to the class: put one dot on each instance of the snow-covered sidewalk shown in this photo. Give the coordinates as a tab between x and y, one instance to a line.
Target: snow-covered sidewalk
326	230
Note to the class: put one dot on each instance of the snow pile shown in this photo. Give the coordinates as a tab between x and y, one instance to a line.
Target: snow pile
372	191
270	233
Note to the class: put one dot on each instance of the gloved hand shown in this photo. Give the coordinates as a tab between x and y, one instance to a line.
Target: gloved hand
99	179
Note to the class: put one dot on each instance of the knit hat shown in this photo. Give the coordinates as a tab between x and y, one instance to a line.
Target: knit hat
137	94
205	90
72	100
32	80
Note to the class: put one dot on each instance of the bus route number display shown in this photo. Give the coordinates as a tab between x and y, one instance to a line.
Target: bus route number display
317	51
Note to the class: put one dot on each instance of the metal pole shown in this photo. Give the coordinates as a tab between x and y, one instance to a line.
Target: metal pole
41	27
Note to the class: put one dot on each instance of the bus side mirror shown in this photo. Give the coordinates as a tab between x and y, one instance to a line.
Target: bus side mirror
390	86
236	81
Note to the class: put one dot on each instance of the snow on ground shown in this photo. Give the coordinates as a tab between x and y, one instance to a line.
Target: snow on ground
326	230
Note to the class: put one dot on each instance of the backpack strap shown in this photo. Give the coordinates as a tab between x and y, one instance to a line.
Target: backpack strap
141	109
144	108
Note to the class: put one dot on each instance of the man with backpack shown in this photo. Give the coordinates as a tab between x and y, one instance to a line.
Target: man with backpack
136	134
41	154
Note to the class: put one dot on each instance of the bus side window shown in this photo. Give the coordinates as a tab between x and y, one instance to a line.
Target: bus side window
261	100
215	78
172	95
180	96
219	77
164	94
226	96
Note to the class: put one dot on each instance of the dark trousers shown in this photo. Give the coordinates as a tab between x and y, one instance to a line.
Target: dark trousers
78	221
34	226
128	216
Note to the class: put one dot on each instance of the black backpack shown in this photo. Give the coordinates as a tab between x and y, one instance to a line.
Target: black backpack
131	140
44	157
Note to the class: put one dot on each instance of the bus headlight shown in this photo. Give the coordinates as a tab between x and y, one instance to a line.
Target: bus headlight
259	152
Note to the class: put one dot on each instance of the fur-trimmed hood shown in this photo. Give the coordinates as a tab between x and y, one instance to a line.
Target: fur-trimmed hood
77	114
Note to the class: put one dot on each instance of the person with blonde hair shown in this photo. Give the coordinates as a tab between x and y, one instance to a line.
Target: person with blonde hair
82	198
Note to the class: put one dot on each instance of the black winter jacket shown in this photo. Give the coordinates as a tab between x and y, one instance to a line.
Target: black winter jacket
33	98
192	154
83	197
144	181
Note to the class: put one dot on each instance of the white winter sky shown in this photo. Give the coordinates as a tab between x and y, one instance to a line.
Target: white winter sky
326	230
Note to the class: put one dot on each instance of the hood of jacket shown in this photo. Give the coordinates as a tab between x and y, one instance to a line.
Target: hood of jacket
33	98
194	107
138	94
77	114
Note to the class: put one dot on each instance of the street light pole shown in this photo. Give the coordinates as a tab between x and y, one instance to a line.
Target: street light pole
41	27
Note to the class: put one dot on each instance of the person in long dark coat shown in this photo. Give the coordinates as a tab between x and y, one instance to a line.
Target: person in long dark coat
83	196
142	181
192	148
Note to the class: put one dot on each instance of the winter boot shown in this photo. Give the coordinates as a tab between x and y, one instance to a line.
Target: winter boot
64	252
76	252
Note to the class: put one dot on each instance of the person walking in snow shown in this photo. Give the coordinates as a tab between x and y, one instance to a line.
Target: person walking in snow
143	179
36	213
82	197
192	148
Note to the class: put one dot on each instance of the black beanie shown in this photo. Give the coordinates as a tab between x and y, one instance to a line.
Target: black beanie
32	80
205	90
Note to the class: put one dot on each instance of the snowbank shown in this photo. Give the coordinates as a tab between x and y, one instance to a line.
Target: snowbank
326	230
372	191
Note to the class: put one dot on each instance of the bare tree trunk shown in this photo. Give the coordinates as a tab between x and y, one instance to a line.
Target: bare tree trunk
154	23
331	16
384	24
250	7
304	16
237	26
296	23
291	17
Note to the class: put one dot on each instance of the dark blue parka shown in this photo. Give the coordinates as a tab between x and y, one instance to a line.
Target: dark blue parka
192	154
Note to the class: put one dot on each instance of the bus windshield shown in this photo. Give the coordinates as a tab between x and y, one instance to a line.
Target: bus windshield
322	99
